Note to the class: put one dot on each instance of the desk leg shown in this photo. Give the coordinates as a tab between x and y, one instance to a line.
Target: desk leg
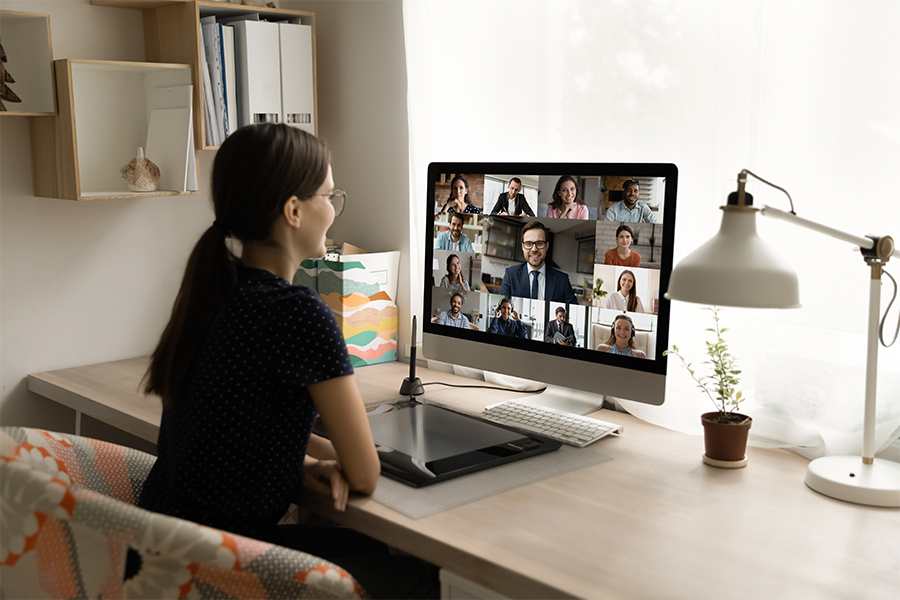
77	422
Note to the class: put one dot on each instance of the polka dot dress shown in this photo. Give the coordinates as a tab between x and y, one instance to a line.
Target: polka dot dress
231	450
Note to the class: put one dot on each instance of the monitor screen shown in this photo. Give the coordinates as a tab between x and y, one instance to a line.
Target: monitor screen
558	260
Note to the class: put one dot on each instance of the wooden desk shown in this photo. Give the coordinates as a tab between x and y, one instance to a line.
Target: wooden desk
653	522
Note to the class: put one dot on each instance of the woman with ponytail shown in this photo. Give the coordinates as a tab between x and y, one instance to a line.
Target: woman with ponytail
247	361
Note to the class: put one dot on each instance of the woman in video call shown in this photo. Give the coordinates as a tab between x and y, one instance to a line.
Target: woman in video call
454	278
458	201
235	445
520	204
565	203
625	297
621	338
622	255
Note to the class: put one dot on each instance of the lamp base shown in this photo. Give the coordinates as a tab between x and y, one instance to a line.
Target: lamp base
848	478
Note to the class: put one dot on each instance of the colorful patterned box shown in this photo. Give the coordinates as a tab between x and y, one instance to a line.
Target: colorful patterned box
361	290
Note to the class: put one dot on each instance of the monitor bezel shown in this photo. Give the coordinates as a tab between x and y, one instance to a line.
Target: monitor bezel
669	171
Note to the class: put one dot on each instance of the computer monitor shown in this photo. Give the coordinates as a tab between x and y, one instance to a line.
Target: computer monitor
599	236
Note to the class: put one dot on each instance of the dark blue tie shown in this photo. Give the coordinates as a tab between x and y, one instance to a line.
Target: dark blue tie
534	284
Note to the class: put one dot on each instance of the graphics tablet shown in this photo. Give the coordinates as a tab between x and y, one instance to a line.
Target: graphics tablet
420	445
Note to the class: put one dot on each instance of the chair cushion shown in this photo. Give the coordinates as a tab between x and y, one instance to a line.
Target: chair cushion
63	539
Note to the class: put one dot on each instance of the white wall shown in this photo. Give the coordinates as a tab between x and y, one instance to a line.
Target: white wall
803	92
82	282
363	119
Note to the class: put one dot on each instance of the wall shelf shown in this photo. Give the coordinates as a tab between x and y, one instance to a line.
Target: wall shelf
29	56
103	117
172	35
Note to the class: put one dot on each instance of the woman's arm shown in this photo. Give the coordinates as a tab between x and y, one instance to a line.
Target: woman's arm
344	415
320	448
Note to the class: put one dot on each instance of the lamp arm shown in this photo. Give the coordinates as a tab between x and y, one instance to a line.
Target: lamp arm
860	242
880	250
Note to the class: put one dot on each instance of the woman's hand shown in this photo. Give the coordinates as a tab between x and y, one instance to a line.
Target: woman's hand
325	477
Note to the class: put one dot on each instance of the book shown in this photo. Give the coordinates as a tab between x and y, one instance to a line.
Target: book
169	144
230	79
212	46
177	154
209	118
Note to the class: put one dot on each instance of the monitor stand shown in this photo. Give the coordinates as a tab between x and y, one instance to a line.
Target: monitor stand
554	396
566	399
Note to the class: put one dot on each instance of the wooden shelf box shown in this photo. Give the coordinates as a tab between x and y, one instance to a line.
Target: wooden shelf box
172	35
102	120
29	61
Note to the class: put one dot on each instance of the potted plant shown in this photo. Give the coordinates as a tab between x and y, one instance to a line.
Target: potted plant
725	430
599	292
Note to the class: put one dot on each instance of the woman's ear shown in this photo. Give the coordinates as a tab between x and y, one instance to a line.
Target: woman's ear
293	212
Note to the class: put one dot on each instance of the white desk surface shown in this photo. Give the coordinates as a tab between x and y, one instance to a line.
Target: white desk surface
654	522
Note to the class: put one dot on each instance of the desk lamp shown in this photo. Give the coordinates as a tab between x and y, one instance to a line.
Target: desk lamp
737	268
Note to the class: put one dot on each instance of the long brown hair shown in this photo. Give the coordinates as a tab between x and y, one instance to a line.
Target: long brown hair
611	341
556	202
256	170
632	296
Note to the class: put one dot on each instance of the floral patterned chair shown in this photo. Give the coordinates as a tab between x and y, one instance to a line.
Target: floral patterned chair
67	519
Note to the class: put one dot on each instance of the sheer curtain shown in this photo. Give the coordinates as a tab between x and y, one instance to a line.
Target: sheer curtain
804	93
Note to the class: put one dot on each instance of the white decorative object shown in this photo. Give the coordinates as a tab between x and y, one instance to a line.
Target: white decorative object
141	174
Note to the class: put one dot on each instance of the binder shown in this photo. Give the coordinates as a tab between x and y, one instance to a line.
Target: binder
212	44
297	98
209	111
258	65
230	79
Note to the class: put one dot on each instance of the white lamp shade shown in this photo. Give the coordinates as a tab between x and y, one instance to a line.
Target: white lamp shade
735	268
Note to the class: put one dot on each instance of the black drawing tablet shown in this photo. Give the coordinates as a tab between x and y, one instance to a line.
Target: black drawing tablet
420	445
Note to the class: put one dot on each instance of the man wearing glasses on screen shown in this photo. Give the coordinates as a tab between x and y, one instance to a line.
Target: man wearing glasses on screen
535	278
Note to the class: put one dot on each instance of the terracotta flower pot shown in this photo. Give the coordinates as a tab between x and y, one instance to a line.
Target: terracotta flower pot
725	435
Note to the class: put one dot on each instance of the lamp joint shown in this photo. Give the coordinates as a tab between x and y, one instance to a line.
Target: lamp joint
881	250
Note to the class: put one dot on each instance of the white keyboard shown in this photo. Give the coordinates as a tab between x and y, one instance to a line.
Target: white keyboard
564	427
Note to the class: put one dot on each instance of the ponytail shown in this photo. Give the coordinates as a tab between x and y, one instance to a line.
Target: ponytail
208	281
256	170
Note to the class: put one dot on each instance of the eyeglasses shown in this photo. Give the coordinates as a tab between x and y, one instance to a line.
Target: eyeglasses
338	199
539	245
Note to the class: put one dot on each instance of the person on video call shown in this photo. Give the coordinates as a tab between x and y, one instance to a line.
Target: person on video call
535	278
454	239
565	203
621	338
459	201
625	297
630	209
622	255
454	278
454	317
560	331
520	206
504	325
